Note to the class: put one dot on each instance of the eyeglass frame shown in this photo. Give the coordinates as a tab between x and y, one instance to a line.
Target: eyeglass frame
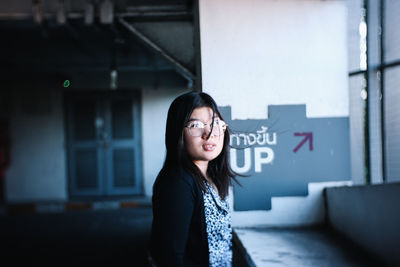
224	127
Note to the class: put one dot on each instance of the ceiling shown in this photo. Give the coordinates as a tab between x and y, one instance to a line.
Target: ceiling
141	38
18	9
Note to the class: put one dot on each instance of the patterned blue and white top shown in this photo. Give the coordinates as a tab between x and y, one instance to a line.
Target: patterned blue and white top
219	229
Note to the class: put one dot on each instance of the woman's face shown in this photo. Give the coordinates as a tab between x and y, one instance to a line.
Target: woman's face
197	145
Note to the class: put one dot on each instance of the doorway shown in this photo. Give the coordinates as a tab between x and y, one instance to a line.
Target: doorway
103	144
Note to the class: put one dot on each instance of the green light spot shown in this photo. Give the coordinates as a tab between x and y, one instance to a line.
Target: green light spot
66	83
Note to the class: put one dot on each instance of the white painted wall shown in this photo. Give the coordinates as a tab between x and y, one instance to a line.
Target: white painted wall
38	167
155	105
289	211
257	53
267	52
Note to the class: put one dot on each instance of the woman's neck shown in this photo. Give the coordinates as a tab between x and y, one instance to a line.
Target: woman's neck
203	166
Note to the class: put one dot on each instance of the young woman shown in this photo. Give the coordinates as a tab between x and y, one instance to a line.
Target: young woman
191	217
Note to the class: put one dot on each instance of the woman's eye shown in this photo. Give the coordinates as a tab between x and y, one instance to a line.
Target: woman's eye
197	125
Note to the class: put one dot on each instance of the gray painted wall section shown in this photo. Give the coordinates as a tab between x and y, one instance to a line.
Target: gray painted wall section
369	216
289	152
37	171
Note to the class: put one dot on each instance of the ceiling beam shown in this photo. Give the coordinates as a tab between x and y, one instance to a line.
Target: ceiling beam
178	66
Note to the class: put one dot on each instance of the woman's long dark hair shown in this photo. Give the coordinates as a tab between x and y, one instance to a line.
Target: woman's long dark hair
178	115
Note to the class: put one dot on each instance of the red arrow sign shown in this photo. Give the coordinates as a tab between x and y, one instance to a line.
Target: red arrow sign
308	136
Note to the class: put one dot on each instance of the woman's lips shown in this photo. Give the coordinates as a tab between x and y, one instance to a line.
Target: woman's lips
209	147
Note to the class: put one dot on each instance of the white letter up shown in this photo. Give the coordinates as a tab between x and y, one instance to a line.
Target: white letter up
258	160
247	160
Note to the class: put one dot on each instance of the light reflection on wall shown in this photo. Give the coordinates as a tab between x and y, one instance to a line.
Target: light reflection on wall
363	43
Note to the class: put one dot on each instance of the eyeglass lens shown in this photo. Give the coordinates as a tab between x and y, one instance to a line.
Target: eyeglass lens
197	129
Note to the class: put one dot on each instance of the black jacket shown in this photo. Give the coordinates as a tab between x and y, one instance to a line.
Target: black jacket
179	236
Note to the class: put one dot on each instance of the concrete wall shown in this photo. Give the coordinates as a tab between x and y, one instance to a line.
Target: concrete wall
357	137
155	104
369	216
392	123
258	53
38	160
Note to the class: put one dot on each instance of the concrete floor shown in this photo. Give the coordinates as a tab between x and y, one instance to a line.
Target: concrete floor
76	238
118	238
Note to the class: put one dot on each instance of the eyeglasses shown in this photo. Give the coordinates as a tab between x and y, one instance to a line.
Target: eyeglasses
196	128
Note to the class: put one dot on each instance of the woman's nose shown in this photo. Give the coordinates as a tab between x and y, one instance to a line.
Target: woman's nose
206	132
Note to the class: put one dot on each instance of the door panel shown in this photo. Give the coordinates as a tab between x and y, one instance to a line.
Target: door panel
84	113
83	150
122	119
123	168
123	145
86	168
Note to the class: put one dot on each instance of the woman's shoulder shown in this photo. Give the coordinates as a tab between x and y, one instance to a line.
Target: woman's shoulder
174	175
173	183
